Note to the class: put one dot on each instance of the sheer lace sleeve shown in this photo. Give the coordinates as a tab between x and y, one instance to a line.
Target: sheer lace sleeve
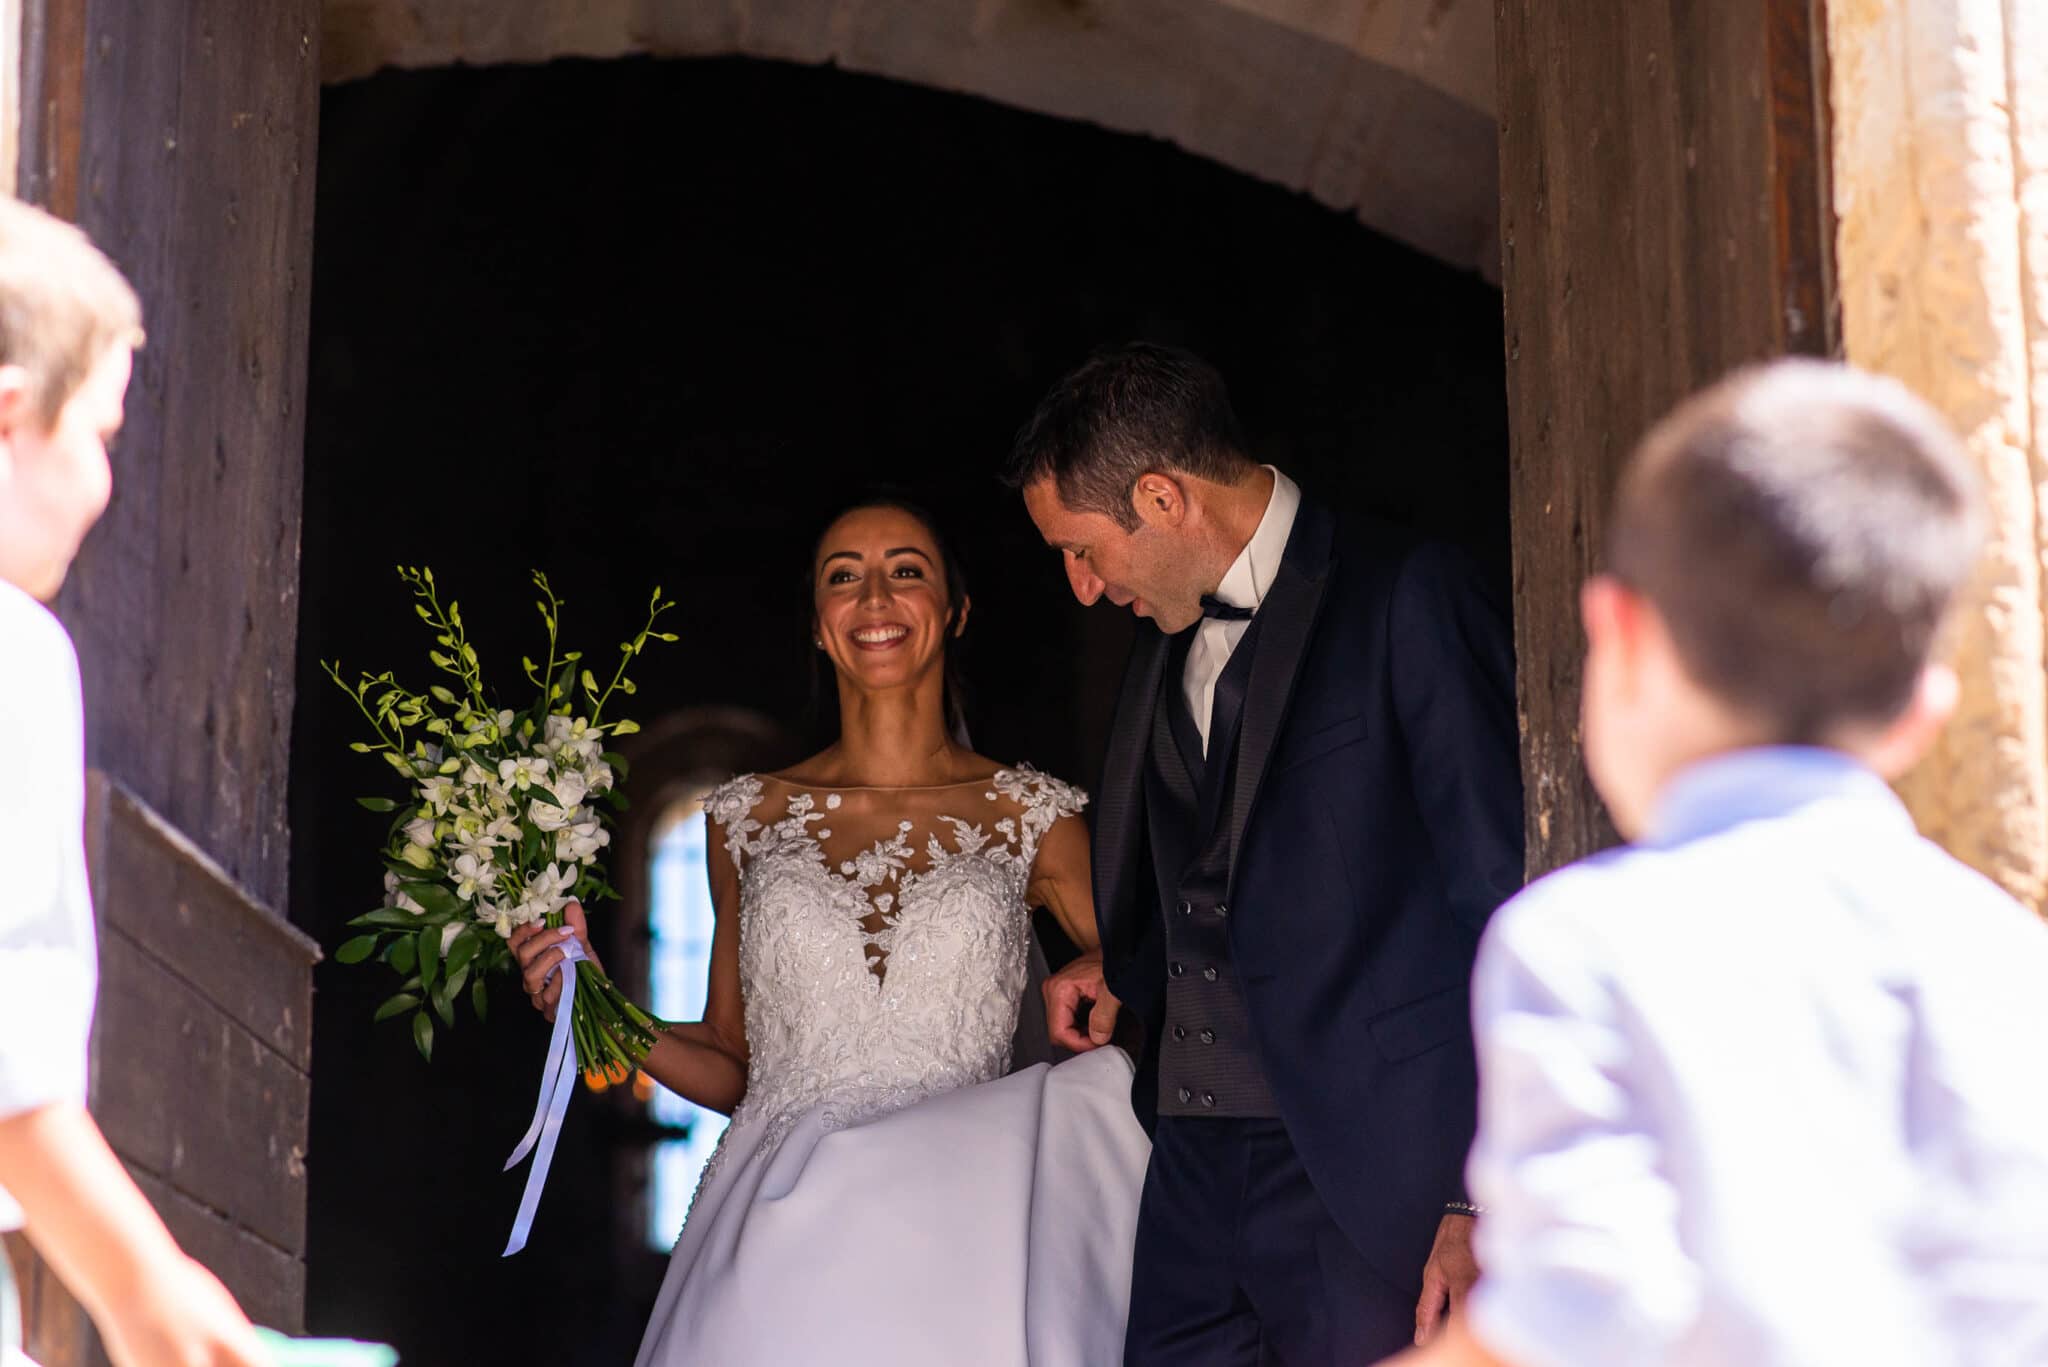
730	807
1044	799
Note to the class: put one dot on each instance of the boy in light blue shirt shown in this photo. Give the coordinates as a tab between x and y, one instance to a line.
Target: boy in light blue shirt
69	325
1766	1087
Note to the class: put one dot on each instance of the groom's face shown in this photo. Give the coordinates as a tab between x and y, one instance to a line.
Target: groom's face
1152	570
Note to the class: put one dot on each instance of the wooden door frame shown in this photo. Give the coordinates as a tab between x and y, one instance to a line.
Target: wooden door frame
180	134
1665	217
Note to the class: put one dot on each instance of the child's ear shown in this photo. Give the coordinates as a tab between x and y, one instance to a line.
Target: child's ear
1608	611
1913	732
17	409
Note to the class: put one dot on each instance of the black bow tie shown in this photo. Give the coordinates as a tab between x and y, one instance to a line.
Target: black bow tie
1215	608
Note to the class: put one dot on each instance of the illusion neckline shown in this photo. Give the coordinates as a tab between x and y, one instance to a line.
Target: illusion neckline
983	782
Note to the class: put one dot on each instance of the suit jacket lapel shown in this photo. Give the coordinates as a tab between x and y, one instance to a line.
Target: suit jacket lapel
1119	822
1287	619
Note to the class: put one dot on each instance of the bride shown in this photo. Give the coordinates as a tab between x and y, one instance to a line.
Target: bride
888	1190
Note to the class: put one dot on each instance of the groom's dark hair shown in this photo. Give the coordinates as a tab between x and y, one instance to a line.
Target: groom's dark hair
1126	412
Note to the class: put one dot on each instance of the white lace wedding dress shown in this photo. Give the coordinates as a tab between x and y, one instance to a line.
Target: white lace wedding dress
888	1191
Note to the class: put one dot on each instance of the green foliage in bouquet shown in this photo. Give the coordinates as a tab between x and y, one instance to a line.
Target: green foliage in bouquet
500	823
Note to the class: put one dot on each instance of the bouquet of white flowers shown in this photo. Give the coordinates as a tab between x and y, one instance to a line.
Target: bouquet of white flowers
502	819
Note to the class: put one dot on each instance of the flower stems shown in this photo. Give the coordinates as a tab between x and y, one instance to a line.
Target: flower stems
612	1034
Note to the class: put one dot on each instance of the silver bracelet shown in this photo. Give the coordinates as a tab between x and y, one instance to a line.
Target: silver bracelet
1463	1208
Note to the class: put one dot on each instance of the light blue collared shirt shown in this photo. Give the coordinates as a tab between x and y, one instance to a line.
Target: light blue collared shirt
49	964
1767	1089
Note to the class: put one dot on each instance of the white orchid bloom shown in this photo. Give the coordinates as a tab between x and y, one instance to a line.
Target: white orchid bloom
522	773
439	794
548	891
573	740
598	777
571	731
478	836
395	895
473	874
579	844
422	832
491	726
448	934
497	917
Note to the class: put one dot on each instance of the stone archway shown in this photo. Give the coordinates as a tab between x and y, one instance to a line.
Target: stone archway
1383	110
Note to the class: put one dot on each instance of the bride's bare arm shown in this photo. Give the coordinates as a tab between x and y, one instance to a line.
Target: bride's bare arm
703	1061
706	1061
1080	1010
1061	882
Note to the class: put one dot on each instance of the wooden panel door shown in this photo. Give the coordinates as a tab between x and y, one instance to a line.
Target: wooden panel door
180	134
1663	220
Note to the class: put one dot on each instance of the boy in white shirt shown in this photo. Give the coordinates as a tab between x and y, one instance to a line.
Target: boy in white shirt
69	325
1764	1088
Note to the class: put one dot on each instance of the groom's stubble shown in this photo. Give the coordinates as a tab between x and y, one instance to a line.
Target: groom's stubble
1158	570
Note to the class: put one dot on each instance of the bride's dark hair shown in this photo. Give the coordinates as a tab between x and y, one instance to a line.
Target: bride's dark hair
824	689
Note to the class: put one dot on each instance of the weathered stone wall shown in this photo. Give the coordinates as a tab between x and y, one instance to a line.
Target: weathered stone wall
1941	184
1384	110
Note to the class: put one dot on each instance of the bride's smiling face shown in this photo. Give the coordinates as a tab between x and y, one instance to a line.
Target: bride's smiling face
882	603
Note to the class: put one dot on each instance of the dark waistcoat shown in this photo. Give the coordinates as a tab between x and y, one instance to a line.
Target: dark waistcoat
1207	1065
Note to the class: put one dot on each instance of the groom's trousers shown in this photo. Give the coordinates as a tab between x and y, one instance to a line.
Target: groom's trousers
1238	1261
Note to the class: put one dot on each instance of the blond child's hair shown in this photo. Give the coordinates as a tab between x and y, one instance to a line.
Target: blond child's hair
63	305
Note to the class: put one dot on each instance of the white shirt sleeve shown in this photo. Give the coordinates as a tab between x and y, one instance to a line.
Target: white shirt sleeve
48	958
1580	1246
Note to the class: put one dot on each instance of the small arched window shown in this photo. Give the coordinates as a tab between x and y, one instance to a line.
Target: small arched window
679	925
663	867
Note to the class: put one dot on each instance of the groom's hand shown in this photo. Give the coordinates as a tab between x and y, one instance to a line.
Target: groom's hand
1074	989
1448	1275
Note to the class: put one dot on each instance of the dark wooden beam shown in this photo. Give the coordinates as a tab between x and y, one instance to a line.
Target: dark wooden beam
180	134
52	103
1663	174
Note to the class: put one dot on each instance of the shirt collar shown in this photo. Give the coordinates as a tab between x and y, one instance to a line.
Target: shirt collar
23	598
1751	785
1250	576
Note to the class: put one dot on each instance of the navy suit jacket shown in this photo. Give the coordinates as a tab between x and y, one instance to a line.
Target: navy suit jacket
1376	817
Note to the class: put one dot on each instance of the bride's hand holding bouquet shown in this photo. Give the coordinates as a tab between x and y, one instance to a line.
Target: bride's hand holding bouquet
494	848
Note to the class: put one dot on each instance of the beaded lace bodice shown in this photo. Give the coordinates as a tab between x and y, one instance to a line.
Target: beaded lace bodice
884	936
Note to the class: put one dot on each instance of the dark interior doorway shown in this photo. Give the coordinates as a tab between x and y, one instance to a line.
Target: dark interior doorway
637	322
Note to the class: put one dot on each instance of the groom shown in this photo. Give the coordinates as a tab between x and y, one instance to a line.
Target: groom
1310	806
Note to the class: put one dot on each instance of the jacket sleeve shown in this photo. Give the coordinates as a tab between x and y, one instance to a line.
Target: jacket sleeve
1453	665
1453	662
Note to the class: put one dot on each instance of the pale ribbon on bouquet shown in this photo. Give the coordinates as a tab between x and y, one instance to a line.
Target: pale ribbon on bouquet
557	1085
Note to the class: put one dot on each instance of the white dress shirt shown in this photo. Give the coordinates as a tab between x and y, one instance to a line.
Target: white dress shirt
1244	585
48	957
1765	1090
